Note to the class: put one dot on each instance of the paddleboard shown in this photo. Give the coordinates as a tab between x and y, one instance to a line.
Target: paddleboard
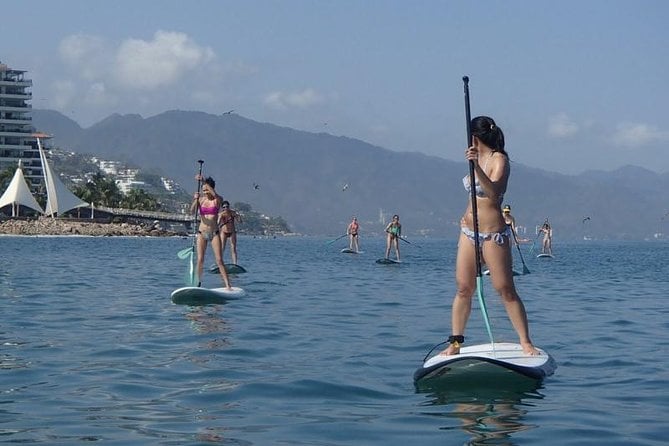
192	295
230	268
480	360
349	251
515	273
388	262
545	256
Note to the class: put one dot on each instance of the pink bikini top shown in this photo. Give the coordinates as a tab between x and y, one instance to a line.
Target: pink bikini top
211	210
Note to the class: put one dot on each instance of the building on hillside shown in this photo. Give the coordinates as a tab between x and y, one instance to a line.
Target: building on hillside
16	131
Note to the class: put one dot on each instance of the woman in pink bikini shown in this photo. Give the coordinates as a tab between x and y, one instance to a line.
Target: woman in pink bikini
209	204
491	167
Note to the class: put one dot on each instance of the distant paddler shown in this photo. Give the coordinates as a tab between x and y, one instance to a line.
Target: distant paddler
226	221
352	231
393	234
510	221
547	244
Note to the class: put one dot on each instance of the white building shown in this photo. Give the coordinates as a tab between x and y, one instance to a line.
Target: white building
16	140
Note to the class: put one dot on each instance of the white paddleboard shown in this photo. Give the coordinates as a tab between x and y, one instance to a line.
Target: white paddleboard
388	262
480	359
545	256
349	251
192	295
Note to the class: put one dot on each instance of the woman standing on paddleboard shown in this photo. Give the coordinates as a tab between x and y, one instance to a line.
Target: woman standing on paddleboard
394	232
227	224
208	205
491	167
509	220
547	245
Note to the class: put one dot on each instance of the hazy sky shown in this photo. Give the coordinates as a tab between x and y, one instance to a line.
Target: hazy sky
575	85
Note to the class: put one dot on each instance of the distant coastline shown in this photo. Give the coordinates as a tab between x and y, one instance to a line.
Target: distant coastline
51	226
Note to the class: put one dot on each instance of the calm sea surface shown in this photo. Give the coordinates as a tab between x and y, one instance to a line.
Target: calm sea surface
322	349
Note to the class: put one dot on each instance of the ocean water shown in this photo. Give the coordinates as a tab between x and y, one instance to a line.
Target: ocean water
322	349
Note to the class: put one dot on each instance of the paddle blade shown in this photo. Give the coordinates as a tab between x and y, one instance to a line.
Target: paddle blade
184	253
484	310
191	271
526	270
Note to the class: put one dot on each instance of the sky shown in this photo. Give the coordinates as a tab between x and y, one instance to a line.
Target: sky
575	85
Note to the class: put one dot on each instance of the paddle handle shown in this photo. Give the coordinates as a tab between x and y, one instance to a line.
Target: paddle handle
472	179
199	186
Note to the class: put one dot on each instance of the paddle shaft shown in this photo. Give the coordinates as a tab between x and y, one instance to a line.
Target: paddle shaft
535	239
338	238
191	265
407	241
477	243
472	179
526	270
197	208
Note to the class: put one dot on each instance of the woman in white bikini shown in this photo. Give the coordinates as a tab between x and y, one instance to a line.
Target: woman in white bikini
547	244
208	204
491	167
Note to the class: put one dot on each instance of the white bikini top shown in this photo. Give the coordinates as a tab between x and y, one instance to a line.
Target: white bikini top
466	182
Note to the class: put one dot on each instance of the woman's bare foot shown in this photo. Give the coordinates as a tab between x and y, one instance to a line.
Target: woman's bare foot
452	349
529	349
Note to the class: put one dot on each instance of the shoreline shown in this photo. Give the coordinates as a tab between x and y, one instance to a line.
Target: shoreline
64	227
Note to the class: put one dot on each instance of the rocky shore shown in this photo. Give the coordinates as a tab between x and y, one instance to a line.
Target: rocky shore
50	226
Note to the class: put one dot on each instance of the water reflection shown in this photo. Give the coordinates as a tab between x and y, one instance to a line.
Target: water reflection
489	409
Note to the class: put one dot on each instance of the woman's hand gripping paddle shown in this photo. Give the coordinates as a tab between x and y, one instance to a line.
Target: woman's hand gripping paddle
477	243
189	253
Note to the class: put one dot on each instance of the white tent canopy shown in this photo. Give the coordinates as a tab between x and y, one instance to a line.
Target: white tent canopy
59	197
18	193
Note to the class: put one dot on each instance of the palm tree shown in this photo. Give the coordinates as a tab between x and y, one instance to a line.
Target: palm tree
100	190
6	177
140	199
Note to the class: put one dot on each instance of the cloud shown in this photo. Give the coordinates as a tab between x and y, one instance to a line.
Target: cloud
63	93
160	62
85	54
299	99
97	95
637	134
561	126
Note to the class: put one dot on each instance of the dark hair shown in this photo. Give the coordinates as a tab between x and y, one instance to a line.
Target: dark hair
209	181
485	129
225	203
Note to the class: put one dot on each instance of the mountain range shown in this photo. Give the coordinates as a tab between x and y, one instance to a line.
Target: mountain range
318	181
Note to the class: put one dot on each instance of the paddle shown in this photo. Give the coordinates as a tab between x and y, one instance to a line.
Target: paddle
472	180
338	238
407	241
526	270
189	253
535	241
